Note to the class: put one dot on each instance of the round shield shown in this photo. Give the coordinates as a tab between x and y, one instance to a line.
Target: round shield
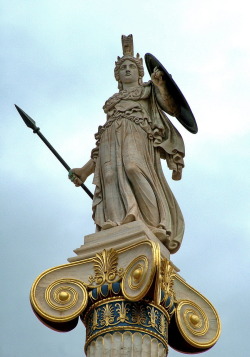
186	117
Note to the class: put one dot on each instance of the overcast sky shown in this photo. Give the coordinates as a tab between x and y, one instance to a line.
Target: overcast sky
57	60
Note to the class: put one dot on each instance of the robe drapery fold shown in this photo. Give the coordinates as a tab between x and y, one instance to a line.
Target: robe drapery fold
129	180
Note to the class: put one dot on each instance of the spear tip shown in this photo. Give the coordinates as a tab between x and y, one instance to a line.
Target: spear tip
26	118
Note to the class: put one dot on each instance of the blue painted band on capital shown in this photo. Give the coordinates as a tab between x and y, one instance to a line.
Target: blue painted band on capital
123	315
103	291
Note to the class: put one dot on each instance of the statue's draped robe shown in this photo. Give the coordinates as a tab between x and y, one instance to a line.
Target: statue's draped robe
130	184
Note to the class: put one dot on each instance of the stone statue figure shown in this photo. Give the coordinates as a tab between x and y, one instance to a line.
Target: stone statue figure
120	283
126	161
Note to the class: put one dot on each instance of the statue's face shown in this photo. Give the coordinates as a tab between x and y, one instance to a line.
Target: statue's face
129	72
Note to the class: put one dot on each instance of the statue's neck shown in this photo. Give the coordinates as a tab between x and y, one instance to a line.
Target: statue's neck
127	86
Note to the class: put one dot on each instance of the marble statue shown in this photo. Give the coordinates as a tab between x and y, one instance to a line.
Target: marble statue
126	162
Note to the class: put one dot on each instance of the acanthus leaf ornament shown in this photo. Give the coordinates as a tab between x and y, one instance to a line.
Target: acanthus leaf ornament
153	314
122	310
105	268
107	315
167	279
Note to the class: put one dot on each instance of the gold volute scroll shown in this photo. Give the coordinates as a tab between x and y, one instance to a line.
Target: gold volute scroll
194	318
139	274
62	301
197	321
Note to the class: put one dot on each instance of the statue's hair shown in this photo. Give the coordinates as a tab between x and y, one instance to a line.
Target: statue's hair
137	60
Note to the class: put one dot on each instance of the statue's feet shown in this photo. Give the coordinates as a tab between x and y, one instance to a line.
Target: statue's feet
109	224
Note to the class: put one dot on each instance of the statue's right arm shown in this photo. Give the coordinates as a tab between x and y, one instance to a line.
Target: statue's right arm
79	175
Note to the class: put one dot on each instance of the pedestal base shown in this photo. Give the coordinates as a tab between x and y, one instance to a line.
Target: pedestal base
118	238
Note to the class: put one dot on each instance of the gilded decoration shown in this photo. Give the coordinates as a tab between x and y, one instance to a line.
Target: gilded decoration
106	315
105	268
167	278
115	314
153	315
162	325
139	316
138	272
197	320
65	300
164	285
62	293
140	275
114	296
192	318
122	309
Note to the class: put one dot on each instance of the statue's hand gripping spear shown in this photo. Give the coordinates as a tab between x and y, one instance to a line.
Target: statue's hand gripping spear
32	124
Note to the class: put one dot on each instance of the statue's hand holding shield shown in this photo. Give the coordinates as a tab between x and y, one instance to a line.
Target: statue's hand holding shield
157	78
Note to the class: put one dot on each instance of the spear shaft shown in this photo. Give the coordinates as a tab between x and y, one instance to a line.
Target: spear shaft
32	124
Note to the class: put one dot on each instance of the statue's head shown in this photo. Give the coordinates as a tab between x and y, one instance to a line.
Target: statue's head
128	61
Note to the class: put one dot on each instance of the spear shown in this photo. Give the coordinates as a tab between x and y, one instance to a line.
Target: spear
32	124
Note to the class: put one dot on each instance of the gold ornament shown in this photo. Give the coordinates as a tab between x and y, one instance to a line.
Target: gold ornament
105	268
167	279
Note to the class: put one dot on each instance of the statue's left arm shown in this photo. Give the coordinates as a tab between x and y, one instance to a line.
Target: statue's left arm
173	146
164	98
